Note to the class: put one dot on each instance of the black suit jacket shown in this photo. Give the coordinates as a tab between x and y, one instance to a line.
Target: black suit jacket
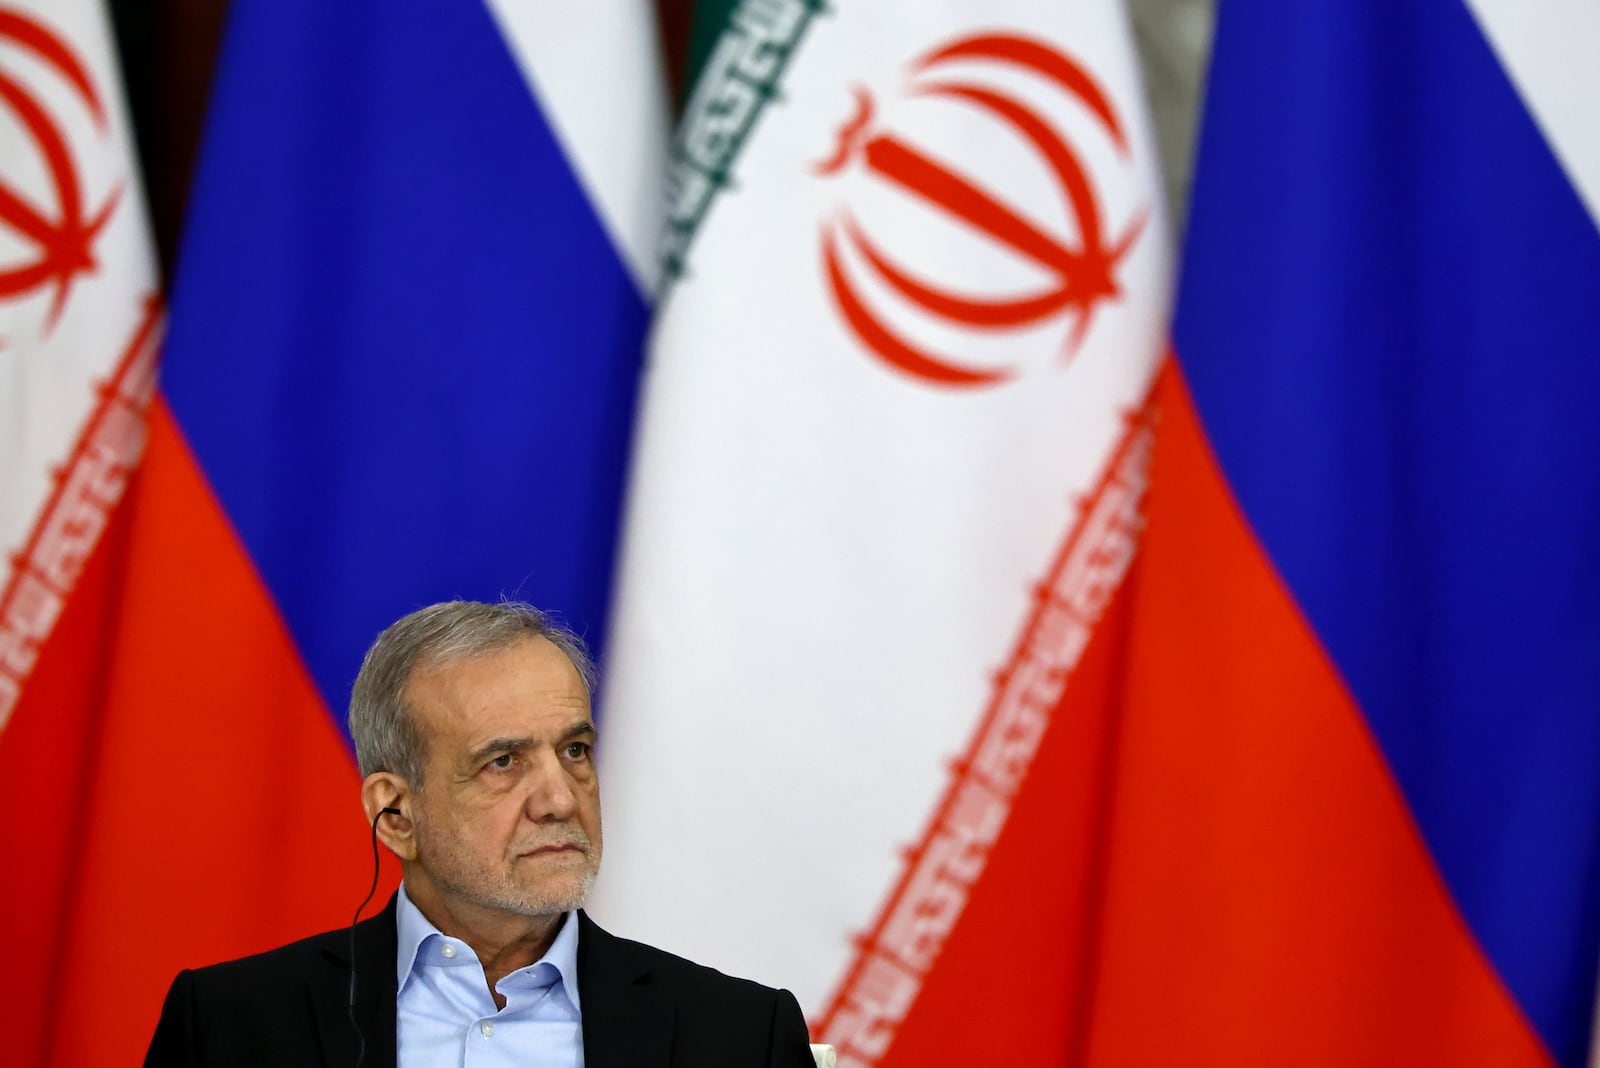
642	1008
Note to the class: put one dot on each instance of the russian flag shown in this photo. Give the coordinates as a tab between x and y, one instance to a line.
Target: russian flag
1355	812
404	339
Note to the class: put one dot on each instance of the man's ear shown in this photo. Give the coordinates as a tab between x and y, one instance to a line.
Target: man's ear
385	789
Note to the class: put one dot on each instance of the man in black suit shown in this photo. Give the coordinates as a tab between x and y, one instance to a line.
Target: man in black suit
473	733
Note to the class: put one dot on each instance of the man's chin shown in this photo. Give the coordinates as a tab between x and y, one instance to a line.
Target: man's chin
558	894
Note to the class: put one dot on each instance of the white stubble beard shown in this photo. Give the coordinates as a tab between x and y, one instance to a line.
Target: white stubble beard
454	872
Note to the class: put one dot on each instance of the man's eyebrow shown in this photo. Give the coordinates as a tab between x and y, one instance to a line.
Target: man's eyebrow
498	745
578	729
501	745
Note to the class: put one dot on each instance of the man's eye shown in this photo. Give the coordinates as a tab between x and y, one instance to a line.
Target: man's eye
503	761
577	750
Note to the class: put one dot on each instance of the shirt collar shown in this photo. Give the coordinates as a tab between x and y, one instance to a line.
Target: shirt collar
413	929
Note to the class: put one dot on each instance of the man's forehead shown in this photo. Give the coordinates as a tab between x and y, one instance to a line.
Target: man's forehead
532	677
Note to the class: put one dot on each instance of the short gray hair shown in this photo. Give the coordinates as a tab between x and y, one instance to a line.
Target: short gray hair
382	725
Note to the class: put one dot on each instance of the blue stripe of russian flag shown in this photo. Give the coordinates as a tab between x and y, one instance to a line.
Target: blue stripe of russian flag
402	347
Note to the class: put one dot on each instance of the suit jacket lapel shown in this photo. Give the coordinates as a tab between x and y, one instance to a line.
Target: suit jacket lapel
375	943
627	1018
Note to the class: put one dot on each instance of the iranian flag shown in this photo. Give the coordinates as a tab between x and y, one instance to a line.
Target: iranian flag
79	326
888	480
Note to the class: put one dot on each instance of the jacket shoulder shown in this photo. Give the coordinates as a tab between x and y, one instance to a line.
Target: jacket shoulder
272	985
294	959
680	972
261	1009
718	1019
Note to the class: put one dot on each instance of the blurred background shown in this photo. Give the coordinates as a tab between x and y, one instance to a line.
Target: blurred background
1085	510
169	50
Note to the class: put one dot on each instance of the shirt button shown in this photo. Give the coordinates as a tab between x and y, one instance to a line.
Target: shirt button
448	950
487	1028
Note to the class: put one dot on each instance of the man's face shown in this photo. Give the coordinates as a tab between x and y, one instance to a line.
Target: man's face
508	817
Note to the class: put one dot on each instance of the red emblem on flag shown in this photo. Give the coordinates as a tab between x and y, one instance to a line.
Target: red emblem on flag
62	239
1083	273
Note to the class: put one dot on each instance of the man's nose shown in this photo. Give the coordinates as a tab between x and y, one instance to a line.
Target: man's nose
551	796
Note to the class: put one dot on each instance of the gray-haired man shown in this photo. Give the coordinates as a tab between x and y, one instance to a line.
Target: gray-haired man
475	739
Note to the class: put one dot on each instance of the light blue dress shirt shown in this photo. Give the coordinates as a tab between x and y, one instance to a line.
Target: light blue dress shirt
447	1017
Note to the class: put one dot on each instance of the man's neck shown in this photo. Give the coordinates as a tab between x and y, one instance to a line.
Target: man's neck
503	941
